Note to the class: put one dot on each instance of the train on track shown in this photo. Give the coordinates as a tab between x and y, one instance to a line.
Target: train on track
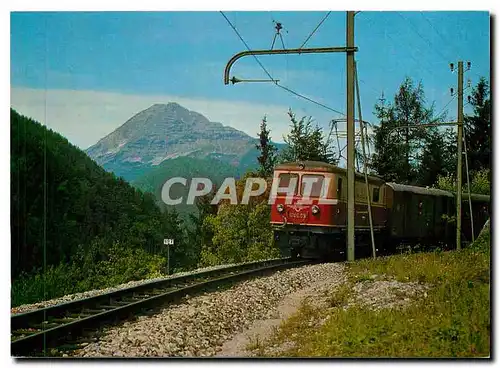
401	214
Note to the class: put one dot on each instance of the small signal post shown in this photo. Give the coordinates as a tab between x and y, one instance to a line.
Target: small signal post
168	243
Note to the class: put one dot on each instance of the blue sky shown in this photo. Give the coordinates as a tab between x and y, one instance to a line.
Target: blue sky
182	55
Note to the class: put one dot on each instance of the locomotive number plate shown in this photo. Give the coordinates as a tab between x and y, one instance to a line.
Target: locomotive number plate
297	215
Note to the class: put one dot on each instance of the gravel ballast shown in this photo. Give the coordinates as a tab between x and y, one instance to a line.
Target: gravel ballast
87	294
199	325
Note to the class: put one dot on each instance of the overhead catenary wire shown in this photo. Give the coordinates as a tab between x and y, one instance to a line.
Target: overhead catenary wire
435	30
408	20
246	45
421	65
271	78
315	29
445	106
310	100
447	42
454	95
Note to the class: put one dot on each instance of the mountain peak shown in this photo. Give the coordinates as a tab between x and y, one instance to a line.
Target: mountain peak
167	106
165	131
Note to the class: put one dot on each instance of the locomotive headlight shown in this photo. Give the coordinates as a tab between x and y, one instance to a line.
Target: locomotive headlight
315	210
280	208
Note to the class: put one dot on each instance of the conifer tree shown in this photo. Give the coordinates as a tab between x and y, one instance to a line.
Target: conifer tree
305	142
478	128
398	152
267	158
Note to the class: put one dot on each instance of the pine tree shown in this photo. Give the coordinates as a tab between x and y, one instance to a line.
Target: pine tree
306	142
478	128
267	158
398	152
432	162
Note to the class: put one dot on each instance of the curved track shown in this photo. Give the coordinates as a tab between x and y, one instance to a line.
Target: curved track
32	333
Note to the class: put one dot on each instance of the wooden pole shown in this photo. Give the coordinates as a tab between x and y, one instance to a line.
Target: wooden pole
459	153
350	136
361	128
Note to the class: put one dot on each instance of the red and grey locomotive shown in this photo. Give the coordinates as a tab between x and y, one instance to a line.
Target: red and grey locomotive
309	212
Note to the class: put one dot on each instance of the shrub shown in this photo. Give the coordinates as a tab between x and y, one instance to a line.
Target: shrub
88	270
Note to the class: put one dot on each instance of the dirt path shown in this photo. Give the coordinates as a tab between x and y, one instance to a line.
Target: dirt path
260	330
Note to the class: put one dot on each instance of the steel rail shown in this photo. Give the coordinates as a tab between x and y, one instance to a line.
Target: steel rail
46	328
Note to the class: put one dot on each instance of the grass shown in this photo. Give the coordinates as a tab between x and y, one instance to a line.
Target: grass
453	320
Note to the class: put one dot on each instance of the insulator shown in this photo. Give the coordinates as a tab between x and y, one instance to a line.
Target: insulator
469	99
451	66
468	65
451	91
468	83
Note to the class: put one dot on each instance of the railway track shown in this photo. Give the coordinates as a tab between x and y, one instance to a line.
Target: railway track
37	332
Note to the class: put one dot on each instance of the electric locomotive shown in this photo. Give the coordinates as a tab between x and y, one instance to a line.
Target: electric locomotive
309	212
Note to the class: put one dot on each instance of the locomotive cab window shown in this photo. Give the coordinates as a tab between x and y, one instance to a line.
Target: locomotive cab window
376	194
285	181
316	187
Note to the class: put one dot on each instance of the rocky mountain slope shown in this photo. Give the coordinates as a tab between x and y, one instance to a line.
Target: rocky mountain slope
164	132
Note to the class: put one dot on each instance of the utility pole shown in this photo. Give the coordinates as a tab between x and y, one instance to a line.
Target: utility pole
468	188
459	144
368	196
350	136
349	49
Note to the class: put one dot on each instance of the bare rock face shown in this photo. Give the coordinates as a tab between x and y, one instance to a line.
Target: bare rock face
167	131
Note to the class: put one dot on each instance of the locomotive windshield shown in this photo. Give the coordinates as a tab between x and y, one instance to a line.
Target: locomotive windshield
285	182
315	182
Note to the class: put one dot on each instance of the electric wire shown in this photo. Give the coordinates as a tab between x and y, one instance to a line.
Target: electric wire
454	95
310	100
246	45
442	38
276	82
420	65
408	20
435	30
445	106
315	29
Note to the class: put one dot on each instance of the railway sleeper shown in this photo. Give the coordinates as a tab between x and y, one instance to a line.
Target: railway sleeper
45	326
108	307
121	302
93	311
79	315
25	331
150	294
63	320
134	298
158	291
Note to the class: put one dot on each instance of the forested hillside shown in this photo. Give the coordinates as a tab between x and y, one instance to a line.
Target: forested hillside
184	167
67	211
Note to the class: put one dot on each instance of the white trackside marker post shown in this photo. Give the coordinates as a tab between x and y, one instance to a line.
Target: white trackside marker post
168	243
